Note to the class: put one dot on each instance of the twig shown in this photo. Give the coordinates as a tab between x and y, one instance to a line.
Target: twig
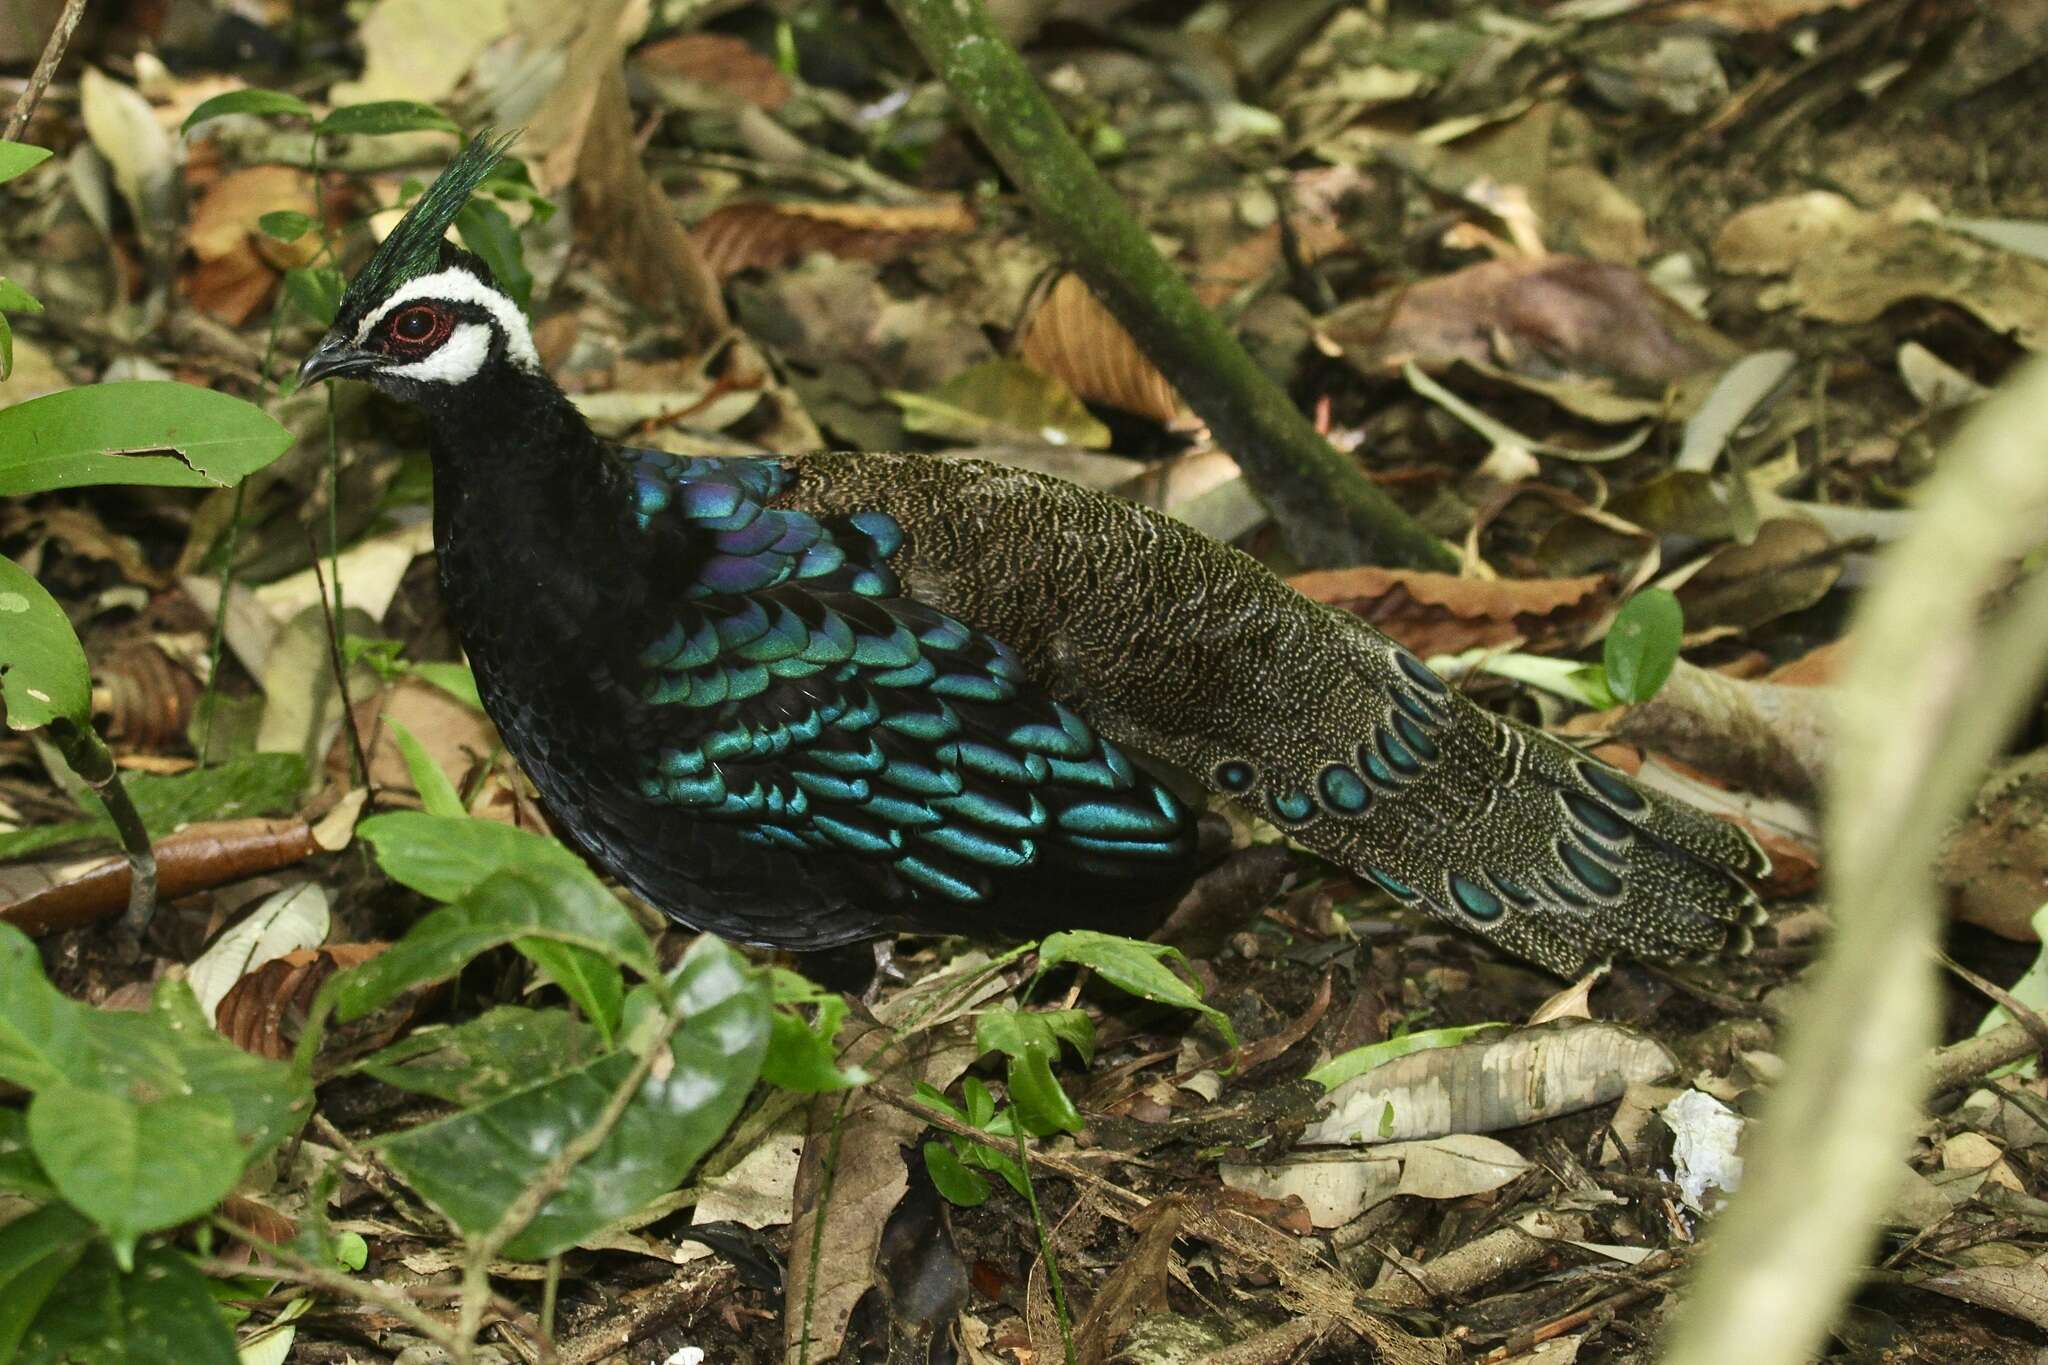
1330	511
87	755
1959	1064
46	69
348	710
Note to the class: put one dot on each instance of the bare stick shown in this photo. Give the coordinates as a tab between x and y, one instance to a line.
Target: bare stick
46	69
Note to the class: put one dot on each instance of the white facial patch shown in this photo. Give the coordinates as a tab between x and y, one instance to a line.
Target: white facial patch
455	361
459	286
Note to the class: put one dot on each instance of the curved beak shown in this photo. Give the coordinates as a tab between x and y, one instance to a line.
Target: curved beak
335	357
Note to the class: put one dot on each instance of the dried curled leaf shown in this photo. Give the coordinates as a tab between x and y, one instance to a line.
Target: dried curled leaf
755	236
264	1011
1073	337
1437	613
718	63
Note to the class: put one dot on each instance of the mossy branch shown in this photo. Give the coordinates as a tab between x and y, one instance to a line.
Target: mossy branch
1332	514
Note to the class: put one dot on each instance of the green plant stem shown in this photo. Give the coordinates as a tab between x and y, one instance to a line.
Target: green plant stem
1331	513
1045	1253
86	754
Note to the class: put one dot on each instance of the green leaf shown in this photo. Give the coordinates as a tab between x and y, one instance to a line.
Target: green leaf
19	1170
505	1049
445	858
315	291
1002	400
161	1313
437	793
73	438
245	102
987	1158
382	117
589	979
43	673
49	1040
474	1165
6	348
454	679
286	225
804	1057
37	1251
134	1167
1345	1065
540	901
1037	1099
1138	968
488	232
1642	644
16	157
15	299
951	1178
250	785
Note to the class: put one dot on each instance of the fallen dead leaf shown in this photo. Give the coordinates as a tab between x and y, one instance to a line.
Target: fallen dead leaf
1436	613
1072	336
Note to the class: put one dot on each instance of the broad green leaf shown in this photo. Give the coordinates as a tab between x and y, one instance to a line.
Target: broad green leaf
37	1251
385	116
315	291
436	792
505	1049
447	858
43	673
591	981
160	1313
1345	1065
535	901
76	437
1014	1032
245	102
474	1165
48	1040
6	348
488	232
286	225
16	157
1138	968
951	1178
1642	644
1002	400
134	1167
990	1158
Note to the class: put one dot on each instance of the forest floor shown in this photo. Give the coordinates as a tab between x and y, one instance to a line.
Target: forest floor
1609	295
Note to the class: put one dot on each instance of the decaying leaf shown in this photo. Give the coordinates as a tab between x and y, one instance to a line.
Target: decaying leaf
1337	1191
1071	335
753	236
1790	565
264	1011
1437	613
1548	316
1002	400
692	70
1487	1085
1763	737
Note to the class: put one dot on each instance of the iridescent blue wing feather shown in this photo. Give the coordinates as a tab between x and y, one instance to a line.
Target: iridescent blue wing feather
798	694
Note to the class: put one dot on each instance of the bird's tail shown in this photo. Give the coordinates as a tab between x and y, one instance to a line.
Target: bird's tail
1528	842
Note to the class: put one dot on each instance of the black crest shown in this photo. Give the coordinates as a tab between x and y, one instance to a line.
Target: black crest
414	247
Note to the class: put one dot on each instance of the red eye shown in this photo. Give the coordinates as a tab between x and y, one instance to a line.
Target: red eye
418	325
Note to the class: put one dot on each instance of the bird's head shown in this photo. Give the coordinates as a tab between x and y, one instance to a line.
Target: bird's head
424	318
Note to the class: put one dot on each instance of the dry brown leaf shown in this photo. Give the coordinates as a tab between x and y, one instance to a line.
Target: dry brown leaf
1544	316
1788	567
1257	256
1435	613
1071	336
756	236
193	859
237	264
265	1010
720	62
145	695
1758	736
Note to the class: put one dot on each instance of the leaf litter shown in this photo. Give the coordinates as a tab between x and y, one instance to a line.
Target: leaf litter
1759	286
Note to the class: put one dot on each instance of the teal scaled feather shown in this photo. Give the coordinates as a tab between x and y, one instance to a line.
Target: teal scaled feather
413	248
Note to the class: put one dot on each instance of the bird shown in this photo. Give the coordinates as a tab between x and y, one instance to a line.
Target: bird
806	701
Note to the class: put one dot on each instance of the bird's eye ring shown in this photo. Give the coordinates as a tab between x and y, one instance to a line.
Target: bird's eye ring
416	324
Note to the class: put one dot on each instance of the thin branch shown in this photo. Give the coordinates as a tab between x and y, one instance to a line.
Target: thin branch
46	69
